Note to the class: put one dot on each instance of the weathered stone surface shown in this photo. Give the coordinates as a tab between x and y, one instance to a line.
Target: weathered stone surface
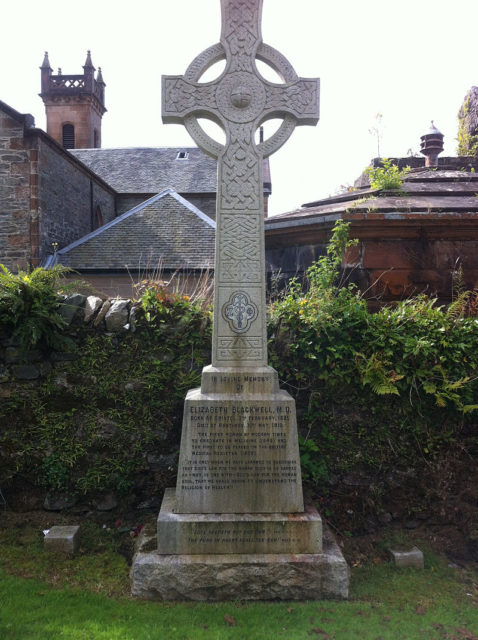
237	100
107	502
213	533
408	558
15	354
236	523
222	577
161	462
72	307
107	428
26	371
132	317
102	313
135	385
117	316
92	305
63	539
59	501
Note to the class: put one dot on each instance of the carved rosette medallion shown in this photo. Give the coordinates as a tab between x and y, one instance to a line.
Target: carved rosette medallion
241	97
239	311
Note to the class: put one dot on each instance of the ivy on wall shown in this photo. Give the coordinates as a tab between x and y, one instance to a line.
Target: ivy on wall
374	391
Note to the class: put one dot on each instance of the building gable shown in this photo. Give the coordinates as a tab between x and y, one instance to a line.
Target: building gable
165	232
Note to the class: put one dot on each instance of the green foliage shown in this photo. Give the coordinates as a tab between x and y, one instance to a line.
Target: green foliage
91	426
375	389
313	465
162	307
388	176
29	306
467	143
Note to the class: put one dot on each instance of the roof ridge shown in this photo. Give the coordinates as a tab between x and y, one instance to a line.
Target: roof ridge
50	260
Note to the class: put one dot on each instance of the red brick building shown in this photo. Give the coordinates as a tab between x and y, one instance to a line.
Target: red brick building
410	241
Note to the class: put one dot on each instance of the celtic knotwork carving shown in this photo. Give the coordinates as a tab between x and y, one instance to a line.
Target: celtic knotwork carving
280	137
240	348
240	170
203	61
240	14
277	61
182	96
205	142
301	97
239	311
240	248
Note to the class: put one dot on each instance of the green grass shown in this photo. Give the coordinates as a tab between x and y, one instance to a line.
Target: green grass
80	598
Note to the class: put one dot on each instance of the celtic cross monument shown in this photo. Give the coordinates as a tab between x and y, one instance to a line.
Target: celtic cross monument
235	526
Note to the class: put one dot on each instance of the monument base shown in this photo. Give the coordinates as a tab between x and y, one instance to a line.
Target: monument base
225	576
221	533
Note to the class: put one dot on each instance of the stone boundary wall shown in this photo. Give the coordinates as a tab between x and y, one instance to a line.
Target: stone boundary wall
107	316
21	373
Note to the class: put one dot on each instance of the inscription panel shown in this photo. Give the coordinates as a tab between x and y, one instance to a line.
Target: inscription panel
239	455
226	533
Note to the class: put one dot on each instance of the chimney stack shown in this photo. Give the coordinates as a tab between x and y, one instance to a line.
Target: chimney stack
431	146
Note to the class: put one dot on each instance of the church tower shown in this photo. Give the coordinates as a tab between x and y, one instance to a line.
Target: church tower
74	105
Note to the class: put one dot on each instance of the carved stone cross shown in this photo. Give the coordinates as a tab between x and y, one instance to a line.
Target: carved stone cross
240	100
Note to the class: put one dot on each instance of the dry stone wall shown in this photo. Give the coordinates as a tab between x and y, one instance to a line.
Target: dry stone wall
107	316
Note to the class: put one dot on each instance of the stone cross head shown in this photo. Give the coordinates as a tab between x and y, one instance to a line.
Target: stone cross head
240	100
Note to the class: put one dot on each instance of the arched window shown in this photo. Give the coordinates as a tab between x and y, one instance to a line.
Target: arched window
98	217
96	139
68	134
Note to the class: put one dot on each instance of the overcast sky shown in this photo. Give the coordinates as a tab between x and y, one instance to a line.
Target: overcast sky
411	61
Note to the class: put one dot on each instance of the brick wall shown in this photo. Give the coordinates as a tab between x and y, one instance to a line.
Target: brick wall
68	197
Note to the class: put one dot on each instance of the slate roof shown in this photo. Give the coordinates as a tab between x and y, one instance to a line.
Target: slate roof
166	231
152	169
426	193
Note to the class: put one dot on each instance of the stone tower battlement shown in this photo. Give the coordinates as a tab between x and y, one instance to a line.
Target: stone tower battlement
74	105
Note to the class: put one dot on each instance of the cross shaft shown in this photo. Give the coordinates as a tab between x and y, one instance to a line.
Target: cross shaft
239	101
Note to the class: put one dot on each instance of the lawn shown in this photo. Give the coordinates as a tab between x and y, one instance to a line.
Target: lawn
47	596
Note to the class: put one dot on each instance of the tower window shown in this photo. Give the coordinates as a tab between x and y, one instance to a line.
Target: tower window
68	134
182	155
98	217
96	139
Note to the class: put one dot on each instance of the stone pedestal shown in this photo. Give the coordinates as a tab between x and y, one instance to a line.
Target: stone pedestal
235	527
221	533
239	449
239	576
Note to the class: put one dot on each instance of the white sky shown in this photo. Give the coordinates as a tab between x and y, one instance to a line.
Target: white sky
411	61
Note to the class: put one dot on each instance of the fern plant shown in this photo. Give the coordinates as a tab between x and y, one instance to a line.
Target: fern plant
30	306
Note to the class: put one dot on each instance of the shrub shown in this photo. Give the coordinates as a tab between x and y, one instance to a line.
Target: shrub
373	389
388	176
30	304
